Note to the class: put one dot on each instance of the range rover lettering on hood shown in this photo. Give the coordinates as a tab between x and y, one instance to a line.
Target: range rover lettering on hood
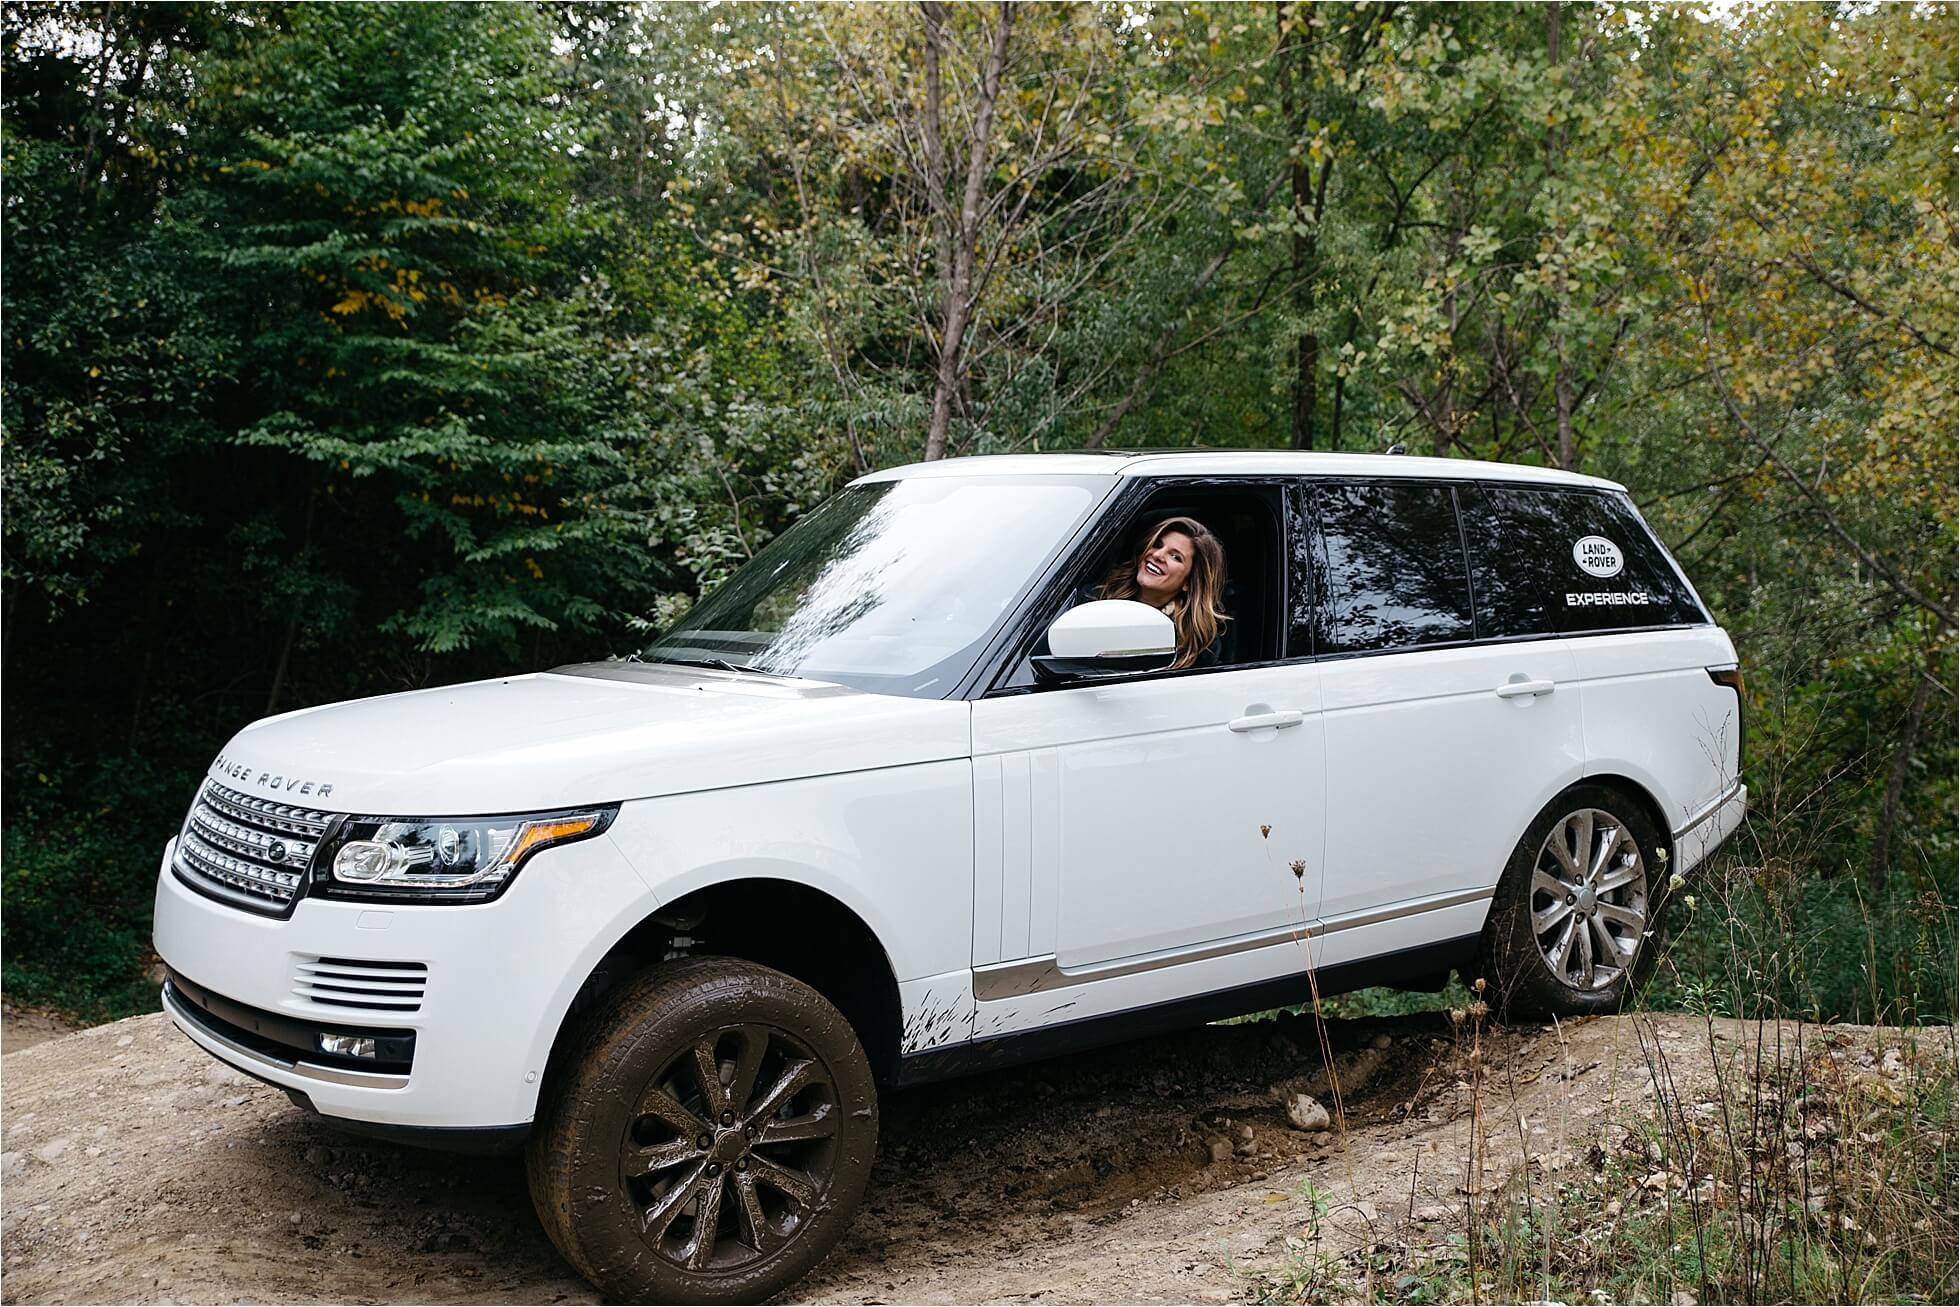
246	774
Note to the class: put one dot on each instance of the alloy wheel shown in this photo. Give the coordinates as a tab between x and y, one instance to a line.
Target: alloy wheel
1589	899
731	1148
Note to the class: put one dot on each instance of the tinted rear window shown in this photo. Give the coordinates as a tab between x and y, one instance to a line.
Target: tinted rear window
1561	562
1393	573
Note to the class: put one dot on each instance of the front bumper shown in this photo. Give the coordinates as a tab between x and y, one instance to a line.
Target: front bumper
261	1041
500	977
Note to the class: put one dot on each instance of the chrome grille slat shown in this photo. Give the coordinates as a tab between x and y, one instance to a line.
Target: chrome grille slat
217	859
366	1006
281	818
228	841
356	984
384	971
381	986
197	862
234	838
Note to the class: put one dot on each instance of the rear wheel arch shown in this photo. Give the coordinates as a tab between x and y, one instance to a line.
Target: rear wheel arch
1637	793
1522	969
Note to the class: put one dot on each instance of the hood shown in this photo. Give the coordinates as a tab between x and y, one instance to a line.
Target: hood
594	733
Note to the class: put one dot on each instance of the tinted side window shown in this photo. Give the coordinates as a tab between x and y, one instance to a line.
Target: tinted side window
1557	562
1303	598
1392	573
1647	563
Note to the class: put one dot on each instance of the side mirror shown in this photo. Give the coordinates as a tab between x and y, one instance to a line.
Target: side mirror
1106	637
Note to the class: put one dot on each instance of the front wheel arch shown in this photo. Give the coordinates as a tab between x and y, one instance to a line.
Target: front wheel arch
651	1156
782	924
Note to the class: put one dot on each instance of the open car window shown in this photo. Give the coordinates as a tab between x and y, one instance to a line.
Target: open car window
1246	518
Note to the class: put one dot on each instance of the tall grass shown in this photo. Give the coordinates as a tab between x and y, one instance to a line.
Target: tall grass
1773	1160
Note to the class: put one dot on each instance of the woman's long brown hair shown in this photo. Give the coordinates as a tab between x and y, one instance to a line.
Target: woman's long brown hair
1198	612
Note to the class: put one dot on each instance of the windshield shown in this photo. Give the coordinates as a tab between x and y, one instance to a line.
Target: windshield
893	586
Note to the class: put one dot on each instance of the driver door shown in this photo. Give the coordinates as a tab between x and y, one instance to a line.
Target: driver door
1136	839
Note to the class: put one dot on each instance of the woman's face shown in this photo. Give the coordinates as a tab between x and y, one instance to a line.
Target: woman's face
1165	565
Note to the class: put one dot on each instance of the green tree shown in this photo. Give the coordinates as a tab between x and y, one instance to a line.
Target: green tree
389	241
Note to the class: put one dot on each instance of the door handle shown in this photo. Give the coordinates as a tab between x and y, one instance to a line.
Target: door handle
1262	720
1517	689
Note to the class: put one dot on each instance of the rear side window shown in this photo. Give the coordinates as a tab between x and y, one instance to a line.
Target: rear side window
1564	562
1392	569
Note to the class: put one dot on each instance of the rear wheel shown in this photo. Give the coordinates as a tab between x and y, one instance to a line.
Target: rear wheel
714	1141
1576	924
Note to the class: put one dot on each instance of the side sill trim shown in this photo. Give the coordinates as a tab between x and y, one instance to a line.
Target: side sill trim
1035	975
1708	811
250	1060
1427	962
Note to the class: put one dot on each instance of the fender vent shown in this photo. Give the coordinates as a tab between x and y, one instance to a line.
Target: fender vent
372	986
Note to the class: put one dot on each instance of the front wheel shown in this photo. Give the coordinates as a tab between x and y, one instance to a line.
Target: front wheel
1576	924
714	1140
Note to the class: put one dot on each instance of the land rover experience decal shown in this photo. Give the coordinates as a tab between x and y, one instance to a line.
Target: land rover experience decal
1600	557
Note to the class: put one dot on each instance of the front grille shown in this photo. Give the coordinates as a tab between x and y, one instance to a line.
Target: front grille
355	983
248	851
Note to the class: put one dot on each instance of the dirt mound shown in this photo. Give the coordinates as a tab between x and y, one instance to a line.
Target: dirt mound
137	1169
22	1028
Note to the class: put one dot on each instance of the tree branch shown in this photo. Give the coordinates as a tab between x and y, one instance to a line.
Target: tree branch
1815	499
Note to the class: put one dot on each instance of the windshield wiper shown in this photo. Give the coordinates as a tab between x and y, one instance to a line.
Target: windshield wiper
716	664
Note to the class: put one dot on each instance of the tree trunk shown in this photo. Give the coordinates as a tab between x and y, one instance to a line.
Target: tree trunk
1334	431
1306	347
8	628
1442	421
1306	366
1895	781
937	204
956	299
111	42
293	613
1568	454
152	637
132	88
285	657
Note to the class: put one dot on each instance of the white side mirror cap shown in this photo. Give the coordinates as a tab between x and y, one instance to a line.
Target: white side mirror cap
1112	628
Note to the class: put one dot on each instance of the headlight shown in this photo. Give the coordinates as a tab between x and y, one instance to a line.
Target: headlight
459	860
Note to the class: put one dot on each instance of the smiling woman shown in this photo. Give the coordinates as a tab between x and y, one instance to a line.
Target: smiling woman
1179	568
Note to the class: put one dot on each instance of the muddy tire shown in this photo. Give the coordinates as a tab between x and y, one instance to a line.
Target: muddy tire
713	1139
1577	923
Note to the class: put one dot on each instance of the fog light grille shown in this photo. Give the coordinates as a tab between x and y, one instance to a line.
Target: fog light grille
371	985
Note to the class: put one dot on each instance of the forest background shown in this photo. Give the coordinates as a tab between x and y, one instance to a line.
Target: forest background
354	348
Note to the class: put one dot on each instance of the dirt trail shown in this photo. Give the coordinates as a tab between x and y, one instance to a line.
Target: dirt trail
136	1169
21	1028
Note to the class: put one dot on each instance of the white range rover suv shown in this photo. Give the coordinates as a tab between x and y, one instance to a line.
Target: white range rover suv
894	802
